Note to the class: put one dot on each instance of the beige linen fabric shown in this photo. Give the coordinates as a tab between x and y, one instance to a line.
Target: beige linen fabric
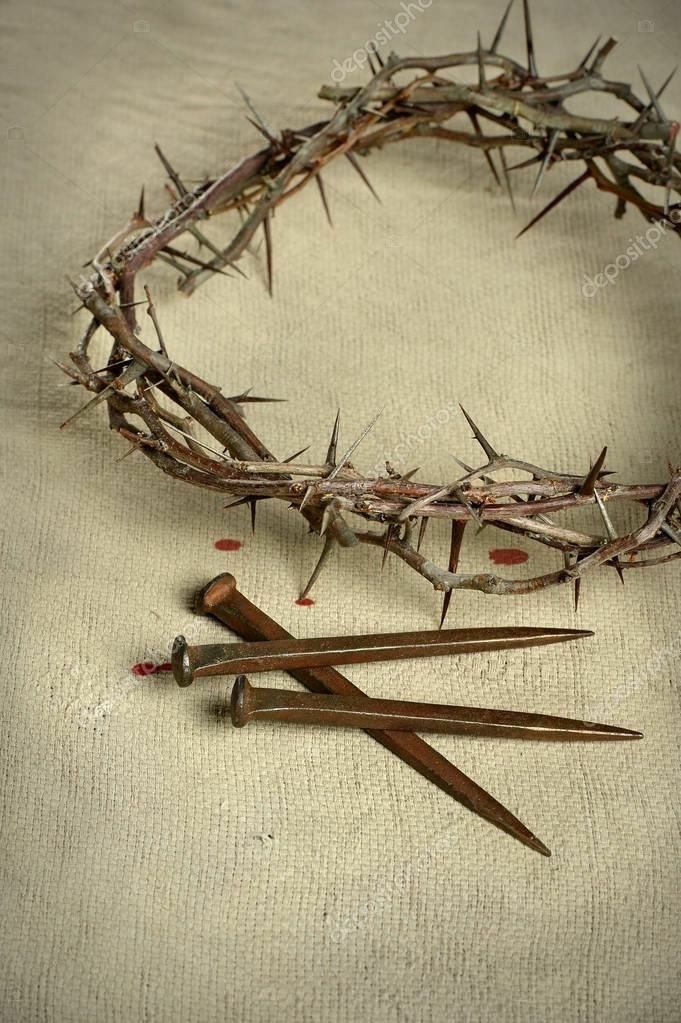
158	866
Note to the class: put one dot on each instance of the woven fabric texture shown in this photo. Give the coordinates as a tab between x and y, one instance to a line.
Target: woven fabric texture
158	865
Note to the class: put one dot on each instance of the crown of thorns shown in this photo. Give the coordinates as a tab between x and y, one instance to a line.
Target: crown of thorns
192	431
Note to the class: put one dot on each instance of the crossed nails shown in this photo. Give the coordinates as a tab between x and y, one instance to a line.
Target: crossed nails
337	701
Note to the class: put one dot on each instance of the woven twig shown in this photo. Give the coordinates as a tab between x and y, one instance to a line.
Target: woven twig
510	106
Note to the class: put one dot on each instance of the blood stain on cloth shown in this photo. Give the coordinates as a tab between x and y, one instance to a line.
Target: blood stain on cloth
227	545
149	668
508	556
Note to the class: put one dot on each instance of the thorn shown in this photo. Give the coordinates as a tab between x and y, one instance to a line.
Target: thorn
261	126
350	450
333	443
473	512
653	97
170	170
246	396
507	178
482	440
389	534
482	81
263	131
424	521
355	163
486	153
171	261
585	60
458	530
151	312
308	494
328	544
253	506
531	65
268	249
611	532
140	206
322	196
554	202
646	110
502	26
553	138
578	589
589	485
406	476
292	458
178	254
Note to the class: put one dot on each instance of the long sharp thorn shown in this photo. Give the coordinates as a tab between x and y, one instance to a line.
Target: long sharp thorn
140	206
328	546
261	126
170	170
171	261
473	512
406	476
553	138
589	485
531	64
481	439
389	534
652	96
354	162
424	521
267	228
323	197
554	202
482	81
507	177
646	110
253	504
486	153
578	590
178	254
262	131
151	313
458	529
502	25
352	447
610	531
308	494
333	443
587	57
292	458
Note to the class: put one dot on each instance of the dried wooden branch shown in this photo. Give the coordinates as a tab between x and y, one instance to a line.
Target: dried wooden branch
514	108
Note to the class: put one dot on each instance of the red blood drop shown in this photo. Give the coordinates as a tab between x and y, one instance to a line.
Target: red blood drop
305	602
508	556
149	668
227	545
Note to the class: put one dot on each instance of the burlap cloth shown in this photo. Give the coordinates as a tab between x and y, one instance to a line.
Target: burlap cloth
157	865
